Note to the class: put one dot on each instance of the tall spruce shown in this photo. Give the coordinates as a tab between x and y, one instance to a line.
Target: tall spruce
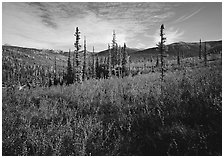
55	65
200	49
84	62
73	61
162	49
205	55
69	75
121	55
124	61
89	69
119	61
157	61
55	70
105	60
100	60
97	67
93	65
116	55
178	55
109	62
78	66
114	50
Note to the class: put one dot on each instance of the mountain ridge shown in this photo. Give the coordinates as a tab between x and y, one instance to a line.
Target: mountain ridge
188	49
47	56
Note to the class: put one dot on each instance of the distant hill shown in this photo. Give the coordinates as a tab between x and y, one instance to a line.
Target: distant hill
88	53
46	57
32	56
38	56
186	50
129	50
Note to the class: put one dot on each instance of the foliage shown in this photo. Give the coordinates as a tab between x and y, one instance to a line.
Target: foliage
77	67
114	50
84	71
161	47
118	116
69	76
205	55
16	72
125	71
97	65
200	49
109	61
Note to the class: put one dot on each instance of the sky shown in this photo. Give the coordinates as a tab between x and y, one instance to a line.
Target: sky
52	25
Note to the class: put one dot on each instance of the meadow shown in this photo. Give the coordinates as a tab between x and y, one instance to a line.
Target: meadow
119	116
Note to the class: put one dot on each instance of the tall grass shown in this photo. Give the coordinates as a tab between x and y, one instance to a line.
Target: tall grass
128	116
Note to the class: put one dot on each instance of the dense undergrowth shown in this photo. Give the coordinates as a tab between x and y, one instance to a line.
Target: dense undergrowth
129	116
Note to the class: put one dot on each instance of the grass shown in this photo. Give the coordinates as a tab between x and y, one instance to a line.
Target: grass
128	116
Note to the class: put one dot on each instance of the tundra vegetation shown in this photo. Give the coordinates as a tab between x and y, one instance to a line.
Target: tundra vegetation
110	111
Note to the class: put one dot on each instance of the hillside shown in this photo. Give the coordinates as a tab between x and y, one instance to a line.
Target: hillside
32	56
129	50
186	50
46	57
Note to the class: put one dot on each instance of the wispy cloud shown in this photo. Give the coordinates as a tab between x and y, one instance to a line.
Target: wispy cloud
172	35
187	16
54	23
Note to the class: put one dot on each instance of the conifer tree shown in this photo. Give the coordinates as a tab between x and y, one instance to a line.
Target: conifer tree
157	61
124	61
109	61
100	60
69	75
120	55
105	60
161	49
84	62
89	69
93	65
97	67
200	49
55	72
114	50
73	61
116	55
178	56
55	64
78	67
205	55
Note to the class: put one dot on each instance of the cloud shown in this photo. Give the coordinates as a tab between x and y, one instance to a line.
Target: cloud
53	24
140	45
46	19
187	16
172	35
43	12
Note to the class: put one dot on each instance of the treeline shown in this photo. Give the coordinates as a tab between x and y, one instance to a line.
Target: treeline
15	72
116	63
80	67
